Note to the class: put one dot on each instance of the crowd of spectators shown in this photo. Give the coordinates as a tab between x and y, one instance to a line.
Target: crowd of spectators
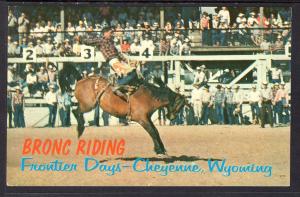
41	30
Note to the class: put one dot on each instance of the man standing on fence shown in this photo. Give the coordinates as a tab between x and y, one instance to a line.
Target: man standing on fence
197	103
51	99
266	105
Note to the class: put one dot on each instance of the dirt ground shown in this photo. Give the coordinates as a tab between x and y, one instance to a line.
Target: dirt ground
239	145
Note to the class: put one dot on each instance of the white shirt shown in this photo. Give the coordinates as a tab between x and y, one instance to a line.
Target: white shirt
147	44
199	77
254	96
135	48
48	48
196	95
276	74
31	78
237	97
51	98
224	14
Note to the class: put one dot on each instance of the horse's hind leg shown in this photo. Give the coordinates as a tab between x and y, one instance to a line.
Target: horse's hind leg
151	129
80	121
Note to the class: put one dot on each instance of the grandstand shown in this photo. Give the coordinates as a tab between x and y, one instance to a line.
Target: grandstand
67	36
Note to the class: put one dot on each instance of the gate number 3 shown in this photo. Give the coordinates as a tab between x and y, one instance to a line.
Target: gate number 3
87	54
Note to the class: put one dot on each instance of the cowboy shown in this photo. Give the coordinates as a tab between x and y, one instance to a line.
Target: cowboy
126	74
266	105
200	77
18	108
51	99
219	103
229	105
282	101
197	103
254	98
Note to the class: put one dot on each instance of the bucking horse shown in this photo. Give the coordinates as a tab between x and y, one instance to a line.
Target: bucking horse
139	107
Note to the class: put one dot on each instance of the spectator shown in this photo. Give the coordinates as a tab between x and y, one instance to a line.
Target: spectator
164	46
12	76
168	29
39	48
179	19
275	89
77	46
252	20
70	29
276	75
48	48
125	46
238	105
11	47
223	28
278	46
185	47
286	33
204	26
131	21
51	99
179	120
139	32
129	33
224	15
64	106
42	78
52	73
240	17
215	32
12	24
207	102
243	32
114	21
23	23
80	29
119	32
266	105
229	105
282	101
18	108
265	46
49	28
68	48
200	76
58	37
219	99
155	32
135	47
31	80
147	44
38	31
254	98
9	106
265	21
196	96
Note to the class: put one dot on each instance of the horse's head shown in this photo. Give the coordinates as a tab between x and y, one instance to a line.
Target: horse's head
176	103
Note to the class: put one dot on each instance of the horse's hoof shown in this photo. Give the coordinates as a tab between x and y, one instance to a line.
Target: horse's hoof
163	156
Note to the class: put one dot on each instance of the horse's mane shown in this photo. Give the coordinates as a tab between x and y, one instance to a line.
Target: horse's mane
160	92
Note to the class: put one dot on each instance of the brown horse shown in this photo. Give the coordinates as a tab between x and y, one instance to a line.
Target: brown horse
142	104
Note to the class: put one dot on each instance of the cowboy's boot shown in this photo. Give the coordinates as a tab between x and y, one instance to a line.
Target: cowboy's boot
117	90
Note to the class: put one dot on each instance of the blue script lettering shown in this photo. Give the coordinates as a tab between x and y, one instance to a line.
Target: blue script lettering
91	163
226	170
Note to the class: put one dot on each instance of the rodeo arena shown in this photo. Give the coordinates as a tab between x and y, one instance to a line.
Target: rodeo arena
232	66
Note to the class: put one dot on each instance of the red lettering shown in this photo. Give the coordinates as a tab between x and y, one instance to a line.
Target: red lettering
66	147
36	146
26	146
80	147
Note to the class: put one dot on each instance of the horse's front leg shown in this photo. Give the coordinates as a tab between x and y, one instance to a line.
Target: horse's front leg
152	131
